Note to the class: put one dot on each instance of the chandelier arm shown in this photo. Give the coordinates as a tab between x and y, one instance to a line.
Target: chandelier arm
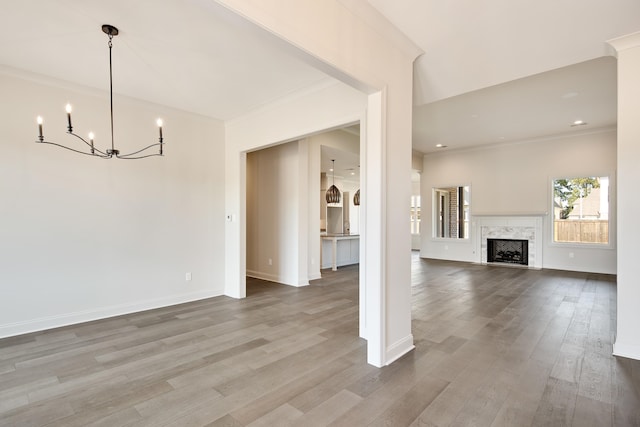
104	156
89	145
140	151
137	157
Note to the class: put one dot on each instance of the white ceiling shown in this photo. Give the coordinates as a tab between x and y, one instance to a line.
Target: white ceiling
470	44
502	70
347	164
492	71
193	55
541	105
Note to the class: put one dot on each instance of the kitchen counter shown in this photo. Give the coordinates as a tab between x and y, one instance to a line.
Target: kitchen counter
339	249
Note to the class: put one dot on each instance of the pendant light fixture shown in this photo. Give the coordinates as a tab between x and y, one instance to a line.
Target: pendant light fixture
112	152
333	194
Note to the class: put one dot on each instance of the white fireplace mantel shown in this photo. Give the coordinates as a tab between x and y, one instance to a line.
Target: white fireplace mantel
512	226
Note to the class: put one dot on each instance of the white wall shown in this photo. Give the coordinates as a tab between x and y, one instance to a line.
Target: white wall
313	205
304	115
83	238
515	179
273	207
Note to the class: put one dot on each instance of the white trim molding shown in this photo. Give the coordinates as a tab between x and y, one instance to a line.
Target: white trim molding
630	351
399	349
58	321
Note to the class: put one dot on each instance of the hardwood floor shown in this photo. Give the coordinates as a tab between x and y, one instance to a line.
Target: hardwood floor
494	347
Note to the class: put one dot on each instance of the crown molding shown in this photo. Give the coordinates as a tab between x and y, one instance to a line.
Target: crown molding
625	42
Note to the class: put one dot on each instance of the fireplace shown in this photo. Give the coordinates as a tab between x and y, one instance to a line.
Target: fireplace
511	227
508	251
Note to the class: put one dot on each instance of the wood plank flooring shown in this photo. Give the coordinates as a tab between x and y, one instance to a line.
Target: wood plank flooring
495	346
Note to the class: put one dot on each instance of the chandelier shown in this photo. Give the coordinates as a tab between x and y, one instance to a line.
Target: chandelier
333	194
109	153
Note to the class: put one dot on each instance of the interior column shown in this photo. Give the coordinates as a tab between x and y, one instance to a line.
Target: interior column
627	341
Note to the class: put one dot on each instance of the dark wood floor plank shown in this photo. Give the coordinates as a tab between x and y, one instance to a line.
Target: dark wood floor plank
289	392
313	396
411	404
38	414
330	410
488	398
568	364
626	392
521	404
595	377
557	404
494	346
592	413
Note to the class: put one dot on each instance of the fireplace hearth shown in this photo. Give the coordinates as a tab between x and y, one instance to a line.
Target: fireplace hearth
508	251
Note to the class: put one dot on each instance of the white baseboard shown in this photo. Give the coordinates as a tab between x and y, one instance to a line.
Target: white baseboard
631	351
274	278
263	276
315	276
399	349
50	322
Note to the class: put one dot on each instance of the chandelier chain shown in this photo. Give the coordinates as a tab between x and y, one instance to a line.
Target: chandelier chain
113	150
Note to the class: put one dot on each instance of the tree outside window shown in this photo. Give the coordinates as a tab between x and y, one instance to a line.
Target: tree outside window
581	210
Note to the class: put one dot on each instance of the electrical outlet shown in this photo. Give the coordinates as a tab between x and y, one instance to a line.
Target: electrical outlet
187	277
270	261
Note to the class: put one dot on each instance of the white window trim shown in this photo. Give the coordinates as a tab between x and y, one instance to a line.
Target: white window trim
552	218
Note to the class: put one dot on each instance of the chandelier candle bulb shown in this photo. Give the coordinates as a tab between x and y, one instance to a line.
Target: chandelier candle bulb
91	136
159	123
40	137
68	108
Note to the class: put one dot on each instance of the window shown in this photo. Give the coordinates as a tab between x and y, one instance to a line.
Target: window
415	214
451	212
581	210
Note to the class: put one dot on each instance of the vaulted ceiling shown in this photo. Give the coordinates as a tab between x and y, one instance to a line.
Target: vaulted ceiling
501	70
494	71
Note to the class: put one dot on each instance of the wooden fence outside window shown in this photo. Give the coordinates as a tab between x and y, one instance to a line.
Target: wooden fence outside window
581	231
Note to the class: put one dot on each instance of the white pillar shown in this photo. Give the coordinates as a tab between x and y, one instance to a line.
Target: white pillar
376	59
627	342
236	230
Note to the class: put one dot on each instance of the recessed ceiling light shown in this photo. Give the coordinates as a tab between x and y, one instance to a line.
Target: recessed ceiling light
441	146
330	169
579	123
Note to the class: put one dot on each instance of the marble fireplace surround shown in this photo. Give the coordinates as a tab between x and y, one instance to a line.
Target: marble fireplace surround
521	227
